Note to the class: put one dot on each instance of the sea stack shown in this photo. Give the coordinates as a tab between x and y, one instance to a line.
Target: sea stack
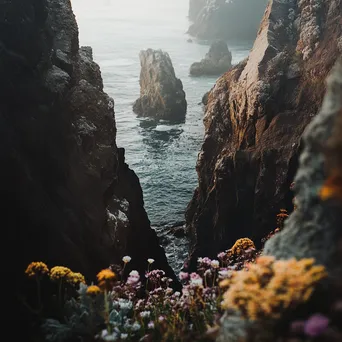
161	92
217	61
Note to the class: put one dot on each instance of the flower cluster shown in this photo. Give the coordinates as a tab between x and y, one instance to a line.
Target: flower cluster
134	307
271	286
36	269
59	272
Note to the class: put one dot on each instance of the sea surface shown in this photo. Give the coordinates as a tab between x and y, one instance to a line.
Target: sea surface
163	155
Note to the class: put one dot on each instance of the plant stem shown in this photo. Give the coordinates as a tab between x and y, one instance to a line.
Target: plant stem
39	295
109	328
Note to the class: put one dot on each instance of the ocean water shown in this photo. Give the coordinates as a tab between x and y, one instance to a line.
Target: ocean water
163	155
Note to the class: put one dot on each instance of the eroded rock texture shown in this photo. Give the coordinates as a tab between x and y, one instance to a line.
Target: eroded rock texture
222	19
68	196
216	62
313	230
161	92
255	117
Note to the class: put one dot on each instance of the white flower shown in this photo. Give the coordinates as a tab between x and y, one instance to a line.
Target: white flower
126	259
215	264
144	314
197	282
136	326
134	273
124	336
199	260
177	294
151	325
224	273
150	261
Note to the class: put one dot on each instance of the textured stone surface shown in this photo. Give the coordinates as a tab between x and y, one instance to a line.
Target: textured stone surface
255	116
161	92
314	229
68	196
221	19
216	62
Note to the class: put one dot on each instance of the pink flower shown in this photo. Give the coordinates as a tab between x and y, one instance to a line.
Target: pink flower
221	255
183	275
316	325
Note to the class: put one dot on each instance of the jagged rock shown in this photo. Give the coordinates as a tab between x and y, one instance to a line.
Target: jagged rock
313	230
221	19
217	61
161	92
255	116
68	196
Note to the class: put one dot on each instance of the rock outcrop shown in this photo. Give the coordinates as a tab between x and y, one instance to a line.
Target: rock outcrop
216	62
313	230
161	92
221	19
255	116
68	196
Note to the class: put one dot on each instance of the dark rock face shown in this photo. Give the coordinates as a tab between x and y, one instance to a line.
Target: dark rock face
255	116
161	92
221	19
217	61
68	196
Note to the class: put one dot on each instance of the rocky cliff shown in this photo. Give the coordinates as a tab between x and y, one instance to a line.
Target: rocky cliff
255	116
161	92
313	230
221	19
68	196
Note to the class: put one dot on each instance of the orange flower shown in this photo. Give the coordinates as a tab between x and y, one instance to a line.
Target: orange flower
105	278
93	290
332	188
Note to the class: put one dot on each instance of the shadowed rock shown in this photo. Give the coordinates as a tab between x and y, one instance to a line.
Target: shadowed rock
68	196
161	92
216	62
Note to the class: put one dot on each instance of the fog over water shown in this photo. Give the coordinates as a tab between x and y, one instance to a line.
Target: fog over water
163	155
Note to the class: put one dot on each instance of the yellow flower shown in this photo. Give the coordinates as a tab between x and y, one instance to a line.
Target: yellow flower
271	286
59	272
240	246
75	278
105	278
36	269
93	290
